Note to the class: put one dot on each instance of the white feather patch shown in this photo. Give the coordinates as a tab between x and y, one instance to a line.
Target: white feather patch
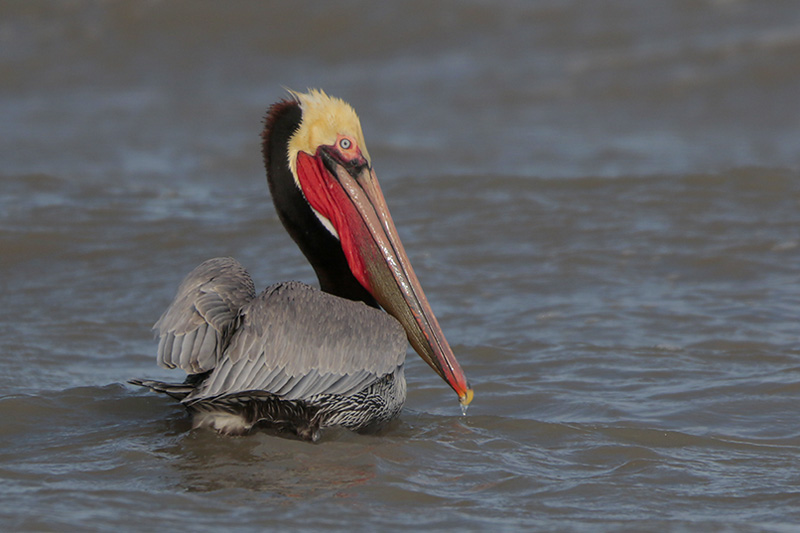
325	222
225	423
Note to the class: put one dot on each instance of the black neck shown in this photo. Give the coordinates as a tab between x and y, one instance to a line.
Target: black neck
322	249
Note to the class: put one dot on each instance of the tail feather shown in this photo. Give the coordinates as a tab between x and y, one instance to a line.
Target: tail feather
179	391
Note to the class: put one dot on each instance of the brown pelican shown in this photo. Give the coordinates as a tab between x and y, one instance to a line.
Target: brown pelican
295	358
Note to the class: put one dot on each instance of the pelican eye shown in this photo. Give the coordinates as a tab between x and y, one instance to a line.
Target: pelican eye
345	144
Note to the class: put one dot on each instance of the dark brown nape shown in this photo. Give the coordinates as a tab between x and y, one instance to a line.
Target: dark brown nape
323	250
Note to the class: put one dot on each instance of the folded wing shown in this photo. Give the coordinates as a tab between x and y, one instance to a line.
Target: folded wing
297	342
196	328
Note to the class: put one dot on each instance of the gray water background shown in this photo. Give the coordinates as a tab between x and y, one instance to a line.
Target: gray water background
601	200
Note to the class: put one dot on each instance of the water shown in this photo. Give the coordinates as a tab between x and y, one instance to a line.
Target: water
601	201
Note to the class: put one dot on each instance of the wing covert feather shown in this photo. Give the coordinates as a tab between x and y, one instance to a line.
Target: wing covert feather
196	327
295	341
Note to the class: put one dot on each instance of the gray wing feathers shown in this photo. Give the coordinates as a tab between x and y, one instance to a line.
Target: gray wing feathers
296	342
196	327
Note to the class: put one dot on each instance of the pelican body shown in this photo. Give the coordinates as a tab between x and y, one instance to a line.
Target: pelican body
296	358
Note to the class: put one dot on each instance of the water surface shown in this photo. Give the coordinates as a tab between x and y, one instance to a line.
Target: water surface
602	203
